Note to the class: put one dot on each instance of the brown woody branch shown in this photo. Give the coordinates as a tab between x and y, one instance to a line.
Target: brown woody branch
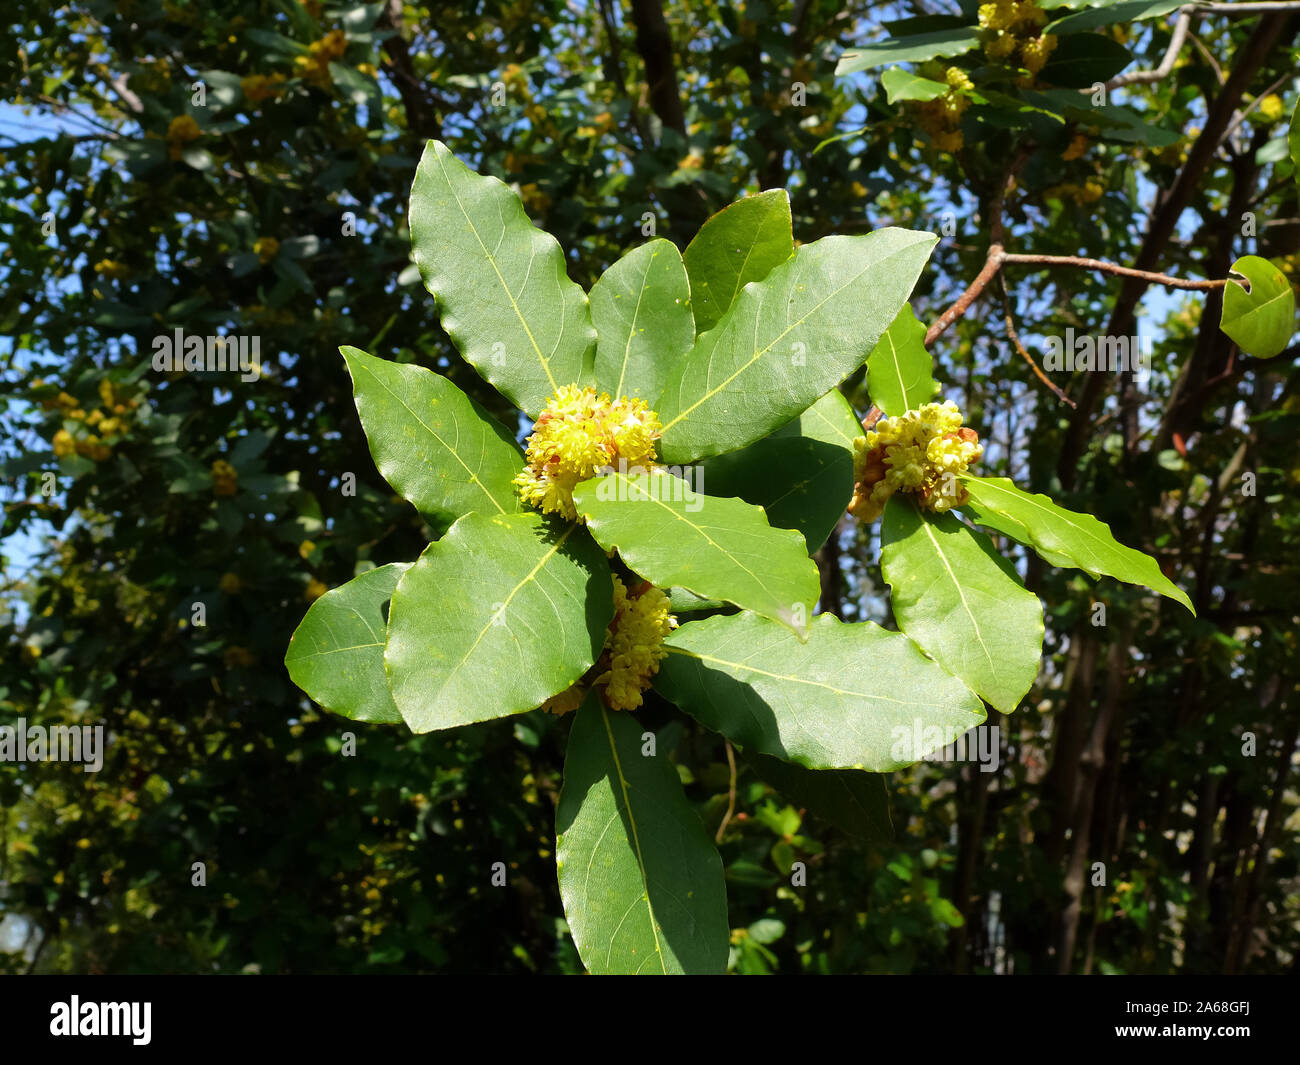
997	257
1015	340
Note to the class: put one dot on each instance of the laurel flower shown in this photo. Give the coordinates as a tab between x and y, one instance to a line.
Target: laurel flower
635	644
634	647
923	452
225	478
1011	26
180	131
577	435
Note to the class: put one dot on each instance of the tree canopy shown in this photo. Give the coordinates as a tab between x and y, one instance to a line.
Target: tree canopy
245	170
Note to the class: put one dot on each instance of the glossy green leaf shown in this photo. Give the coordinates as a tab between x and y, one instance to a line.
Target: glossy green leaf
900	84
640	880
641	309
1081	60
900	371
801	475
496	617
1062	537
854	696
913	49
788	340
1109	13
680	601
961	602
717	548
1260	315
853	801
739	244
502	291
336	654
432	443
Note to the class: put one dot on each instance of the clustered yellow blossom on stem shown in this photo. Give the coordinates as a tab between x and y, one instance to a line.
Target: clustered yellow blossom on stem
259	87
1012	28
105	426
941	116
315	67
921	452
180	131
225	478
634	647
577	435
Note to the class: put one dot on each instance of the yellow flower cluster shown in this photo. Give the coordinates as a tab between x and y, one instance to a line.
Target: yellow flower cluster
1089	192
1271	107
108	423
259	87
1013	26
634	647
316	66
225	478
922	452
1078	147
578	434
635	644
941	116
112	269
181	130
266	249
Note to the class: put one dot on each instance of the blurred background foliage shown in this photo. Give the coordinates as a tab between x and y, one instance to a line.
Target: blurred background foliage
244	167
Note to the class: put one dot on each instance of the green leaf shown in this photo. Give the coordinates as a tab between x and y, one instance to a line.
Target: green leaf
680	601
1083	59
336	655
1062	537
854	696
641	309
739	244
641	881
801	475
902	84
496	617
916	48
717	548
961	602
1110	12
1259	315
432	443
788	340
500	282
1115	122
899	368
853	801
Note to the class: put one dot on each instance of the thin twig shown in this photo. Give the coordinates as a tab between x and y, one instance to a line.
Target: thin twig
991	266
1240	116
1166	64
1205	54
1015	339
1264	7
1114	268
731	794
